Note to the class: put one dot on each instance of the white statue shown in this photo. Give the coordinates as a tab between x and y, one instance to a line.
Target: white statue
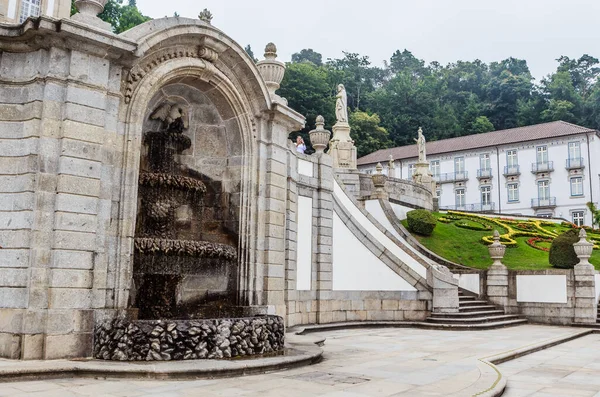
341	105
421	146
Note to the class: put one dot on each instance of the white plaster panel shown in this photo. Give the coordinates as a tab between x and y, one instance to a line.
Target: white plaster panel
390	245
356	268
597	283
400	210
305	168
542	288
50	8
374	208
470	282
304	244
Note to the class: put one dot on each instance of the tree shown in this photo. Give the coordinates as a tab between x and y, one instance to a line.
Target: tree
595	213
368	135
481	124
559	110
120	17
307	55
250	53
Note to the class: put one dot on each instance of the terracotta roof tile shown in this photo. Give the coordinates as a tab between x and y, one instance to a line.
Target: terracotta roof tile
501	137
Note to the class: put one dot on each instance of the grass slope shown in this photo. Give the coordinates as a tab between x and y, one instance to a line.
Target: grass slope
464	246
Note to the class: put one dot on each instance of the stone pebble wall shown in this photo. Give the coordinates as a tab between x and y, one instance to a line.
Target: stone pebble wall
164	340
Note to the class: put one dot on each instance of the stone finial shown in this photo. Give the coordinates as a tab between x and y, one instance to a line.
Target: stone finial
583	248
87	12
497	250
319	137
379	180
205	16
272	72
379	168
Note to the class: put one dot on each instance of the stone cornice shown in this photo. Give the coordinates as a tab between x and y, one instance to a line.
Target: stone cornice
46	32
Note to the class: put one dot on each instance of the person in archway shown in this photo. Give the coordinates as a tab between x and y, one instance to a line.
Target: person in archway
300	145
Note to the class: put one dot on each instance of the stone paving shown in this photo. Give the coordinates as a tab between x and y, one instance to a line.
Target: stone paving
569	369
377	362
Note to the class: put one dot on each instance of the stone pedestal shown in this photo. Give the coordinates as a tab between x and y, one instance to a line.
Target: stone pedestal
379	181
423	176
445	289
341	147
497	285
585	286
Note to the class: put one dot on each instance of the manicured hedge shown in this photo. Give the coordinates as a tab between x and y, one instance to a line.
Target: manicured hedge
421	222
562	254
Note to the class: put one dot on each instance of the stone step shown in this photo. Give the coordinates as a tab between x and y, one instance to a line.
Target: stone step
473	327
473	303
476	308
470	314
473	320
463	298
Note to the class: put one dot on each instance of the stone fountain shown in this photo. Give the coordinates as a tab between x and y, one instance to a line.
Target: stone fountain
169	247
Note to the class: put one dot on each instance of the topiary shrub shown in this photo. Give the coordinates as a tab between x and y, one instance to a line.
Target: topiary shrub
421	222
562	253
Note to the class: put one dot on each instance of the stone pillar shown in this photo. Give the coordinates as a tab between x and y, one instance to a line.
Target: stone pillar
585	288
445	289
324	247
497	274
341	147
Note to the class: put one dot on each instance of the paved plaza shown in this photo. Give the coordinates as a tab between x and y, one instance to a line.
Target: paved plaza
381	362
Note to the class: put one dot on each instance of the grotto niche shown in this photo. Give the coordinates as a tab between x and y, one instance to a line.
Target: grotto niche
185	247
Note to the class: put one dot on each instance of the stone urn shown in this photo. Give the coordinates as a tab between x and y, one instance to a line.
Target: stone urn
497	250
319	137
379	179
583	248
271	70
90	7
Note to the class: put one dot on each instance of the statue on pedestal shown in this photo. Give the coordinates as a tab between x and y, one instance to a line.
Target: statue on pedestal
341	104
421	146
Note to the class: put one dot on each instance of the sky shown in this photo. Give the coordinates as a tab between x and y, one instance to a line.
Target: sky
434	30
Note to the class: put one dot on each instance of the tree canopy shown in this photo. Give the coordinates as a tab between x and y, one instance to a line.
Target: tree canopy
121	17
388	104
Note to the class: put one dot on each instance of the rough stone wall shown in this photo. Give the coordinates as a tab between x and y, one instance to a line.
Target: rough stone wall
400	191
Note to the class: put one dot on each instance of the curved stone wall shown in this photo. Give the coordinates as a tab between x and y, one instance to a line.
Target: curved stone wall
408	193
164	340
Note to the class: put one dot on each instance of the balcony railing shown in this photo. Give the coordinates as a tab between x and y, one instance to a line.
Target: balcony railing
542	167
549	202
572	164
451	177
471	207
484	173
512	170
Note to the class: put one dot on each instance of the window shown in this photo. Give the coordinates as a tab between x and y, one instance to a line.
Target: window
577	186
511	158
486	195
368	172
460	197
543	190
29	8
484	161
542	154
411	170
435	167
438	193
459	164
578	217
574	150
513	192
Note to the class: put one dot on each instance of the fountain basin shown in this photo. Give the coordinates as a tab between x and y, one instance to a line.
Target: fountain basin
165	340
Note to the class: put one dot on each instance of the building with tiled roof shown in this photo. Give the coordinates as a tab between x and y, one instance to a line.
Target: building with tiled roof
549	169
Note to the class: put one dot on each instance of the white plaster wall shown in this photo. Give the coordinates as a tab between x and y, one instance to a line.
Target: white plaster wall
400	210
356	268
597	283
470	282
542	288
374	208
305	167
304	244
356	213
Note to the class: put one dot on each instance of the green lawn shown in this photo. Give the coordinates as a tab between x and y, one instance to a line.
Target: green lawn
464	246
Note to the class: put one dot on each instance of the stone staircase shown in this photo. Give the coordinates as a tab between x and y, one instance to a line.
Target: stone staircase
474	314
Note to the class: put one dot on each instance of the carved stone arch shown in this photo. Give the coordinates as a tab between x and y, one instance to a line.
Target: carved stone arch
133	116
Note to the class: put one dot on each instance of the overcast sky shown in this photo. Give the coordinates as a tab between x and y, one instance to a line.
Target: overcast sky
434	30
